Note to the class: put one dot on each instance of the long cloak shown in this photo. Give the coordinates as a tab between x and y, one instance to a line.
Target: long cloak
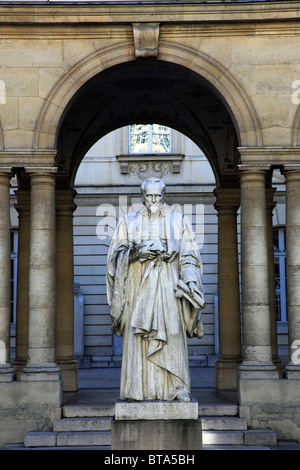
146	311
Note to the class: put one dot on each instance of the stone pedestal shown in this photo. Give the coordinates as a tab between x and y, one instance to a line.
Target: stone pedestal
156	425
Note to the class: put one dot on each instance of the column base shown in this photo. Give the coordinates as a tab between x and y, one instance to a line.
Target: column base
7	373
69	374
41	372
227	374
18	365
292	371
258	370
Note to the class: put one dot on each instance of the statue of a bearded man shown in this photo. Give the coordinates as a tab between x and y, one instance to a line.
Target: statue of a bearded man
155	295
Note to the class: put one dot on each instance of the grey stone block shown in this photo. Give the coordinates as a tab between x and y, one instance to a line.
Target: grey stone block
260	438
156	435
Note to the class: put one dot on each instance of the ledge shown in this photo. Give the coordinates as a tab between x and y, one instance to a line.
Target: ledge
127	161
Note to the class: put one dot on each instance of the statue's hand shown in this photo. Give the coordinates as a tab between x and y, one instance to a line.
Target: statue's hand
145	253
194	289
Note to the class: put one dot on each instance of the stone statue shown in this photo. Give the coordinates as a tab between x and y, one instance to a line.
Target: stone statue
155	295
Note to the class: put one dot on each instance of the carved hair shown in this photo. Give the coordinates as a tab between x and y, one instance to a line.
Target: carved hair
154	180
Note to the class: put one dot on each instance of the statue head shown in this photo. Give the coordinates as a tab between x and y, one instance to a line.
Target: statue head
153	190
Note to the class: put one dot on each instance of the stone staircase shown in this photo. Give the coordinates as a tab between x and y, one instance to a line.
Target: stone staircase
89	427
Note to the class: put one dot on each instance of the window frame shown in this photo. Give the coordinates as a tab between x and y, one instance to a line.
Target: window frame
281	255
150	141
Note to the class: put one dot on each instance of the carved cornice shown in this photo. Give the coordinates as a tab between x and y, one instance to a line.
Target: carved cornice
27	158
146	165
128	12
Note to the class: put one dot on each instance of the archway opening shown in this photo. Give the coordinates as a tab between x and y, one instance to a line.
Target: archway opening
147	92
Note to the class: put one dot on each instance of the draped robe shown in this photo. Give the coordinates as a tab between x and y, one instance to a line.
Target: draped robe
144	307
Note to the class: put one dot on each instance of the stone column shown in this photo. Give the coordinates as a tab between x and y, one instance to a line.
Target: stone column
227	204
65	289
270	204
23	208
257	353
292	175
41	364
6	370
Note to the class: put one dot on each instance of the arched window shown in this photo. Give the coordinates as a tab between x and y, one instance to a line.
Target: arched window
280	272
149	138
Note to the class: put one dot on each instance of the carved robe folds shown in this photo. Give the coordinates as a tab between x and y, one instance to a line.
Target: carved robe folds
146	306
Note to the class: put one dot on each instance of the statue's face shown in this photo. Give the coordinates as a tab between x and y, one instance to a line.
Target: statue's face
153	197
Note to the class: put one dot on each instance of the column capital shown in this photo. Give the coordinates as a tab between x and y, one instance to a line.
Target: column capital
64	199
6	174
41	170
254	167
291	171
227	198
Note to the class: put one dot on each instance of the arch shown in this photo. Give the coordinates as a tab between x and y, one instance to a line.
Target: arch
217	77
296	129
1	138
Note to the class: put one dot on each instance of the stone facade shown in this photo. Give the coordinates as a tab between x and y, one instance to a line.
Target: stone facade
226	75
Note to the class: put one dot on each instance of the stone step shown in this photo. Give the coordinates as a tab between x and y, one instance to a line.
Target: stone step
233	447
38	439
100	438
223	424
263	437
247	438
222	438
82	424
80	411
218	410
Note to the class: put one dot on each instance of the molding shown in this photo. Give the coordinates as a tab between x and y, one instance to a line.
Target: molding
275	156
152	164
27	158
129	12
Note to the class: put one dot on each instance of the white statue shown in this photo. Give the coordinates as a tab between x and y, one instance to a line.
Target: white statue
155	295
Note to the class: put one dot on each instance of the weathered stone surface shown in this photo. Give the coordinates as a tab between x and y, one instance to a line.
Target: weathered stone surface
153	410
156	435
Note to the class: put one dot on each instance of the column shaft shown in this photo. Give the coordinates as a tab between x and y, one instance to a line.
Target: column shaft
6	371
255	275
65	289
227	204
23	208
293	268
270	204
42	278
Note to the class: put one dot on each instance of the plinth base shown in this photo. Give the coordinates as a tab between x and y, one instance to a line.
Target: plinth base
156	425
153	410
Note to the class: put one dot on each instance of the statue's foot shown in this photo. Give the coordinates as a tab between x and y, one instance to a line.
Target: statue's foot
183	395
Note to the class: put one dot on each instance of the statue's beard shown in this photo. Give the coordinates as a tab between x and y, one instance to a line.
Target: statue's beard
154	208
